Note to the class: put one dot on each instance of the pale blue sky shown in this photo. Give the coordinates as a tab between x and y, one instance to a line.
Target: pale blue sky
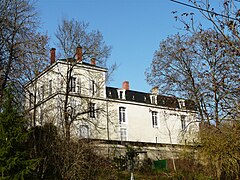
133	28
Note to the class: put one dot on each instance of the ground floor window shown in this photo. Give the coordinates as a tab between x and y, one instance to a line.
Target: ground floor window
84	131
123	134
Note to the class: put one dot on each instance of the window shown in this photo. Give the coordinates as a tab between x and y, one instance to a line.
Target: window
79	85
145	98
84	131
154	99
133	97
123	134
72	84
92	89
122	115
30	100
121	94
72	107
154	119
181	103
50	87
92	110
42	92
183	122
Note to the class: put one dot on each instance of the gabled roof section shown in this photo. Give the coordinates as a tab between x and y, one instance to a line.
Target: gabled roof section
142	97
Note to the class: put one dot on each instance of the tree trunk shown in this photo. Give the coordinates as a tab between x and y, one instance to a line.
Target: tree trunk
67	131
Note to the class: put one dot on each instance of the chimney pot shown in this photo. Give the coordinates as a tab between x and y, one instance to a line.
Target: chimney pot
79	54
93	61
125	85
52	55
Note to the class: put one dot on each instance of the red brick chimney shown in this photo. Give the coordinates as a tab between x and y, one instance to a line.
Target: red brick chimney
93	61
125	85
79	54
52	55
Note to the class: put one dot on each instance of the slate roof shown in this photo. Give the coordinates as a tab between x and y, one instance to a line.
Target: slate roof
84	63
142	97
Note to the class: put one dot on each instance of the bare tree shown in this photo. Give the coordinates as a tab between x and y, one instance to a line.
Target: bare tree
19	41
77	44
217	141
201	68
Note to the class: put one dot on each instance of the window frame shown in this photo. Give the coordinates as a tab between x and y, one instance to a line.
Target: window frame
79	85
183	122
30	100
72	84
92	110
154	118
153	99
121	94
92	88
122	115
42	89
50	86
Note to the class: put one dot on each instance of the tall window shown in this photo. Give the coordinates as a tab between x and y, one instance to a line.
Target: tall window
42	92
154	119
92	110
92	88
183	122
122	115
73	84
50	87
79	85
30	100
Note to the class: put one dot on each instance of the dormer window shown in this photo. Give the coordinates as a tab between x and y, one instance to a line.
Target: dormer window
133	97
109	93
121	94
181	103
145	98
153	99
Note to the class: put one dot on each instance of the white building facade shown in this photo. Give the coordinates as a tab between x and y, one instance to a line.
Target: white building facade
106	113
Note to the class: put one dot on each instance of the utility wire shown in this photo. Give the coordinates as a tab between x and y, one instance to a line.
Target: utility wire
205	10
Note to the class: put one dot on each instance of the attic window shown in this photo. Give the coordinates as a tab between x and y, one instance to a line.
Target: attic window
121	94
163	101
145	98
153	99
133	97
181	103
109	93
